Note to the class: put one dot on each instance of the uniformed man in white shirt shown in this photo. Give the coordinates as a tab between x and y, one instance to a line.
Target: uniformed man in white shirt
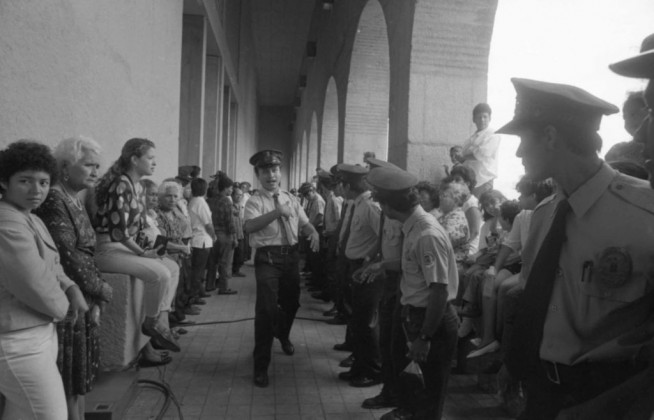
588	261
429	282
273	218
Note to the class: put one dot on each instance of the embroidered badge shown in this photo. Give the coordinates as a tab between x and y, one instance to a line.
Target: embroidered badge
614	268
428	260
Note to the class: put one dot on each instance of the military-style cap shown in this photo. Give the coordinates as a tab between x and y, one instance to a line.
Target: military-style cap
542	102
640	65
378	163
349	171
266	158
391	179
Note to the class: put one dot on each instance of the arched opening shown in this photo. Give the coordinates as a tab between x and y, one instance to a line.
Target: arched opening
366	109
329	134
305	158
312	155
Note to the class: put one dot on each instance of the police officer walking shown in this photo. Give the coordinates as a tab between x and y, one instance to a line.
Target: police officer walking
588	260
273	218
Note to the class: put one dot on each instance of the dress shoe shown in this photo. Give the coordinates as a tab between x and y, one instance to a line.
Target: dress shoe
398	414
159	335
343	347
204	295
227	292
347	362
192	310
210	289
332	312
337	320
347	375
198	301
383	400
365	381
261	379
287	346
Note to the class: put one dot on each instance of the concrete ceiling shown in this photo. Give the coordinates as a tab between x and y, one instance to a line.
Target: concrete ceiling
280	29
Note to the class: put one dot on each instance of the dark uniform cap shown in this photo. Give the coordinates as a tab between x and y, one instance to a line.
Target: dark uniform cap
542	102
378	163
349	171
323	175
391	179
641	65
266	158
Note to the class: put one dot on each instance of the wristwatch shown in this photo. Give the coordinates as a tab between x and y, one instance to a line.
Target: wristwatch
424	337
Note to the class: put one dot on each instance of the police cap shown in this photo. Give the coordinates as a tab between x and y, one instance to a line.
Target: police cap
640	65
378	163
266	158
350	172
391	179
542	102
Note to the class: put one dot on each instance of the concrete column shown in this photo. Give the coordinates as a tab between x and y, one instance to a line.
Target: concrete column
191	113
224	146
212	115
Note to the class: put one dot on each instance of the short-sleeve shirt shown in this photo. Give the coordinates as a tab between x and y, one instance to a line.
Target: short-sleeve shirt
364	230
333	206
472	202
222	214
519	233
200	214
604	283
456	226
427	258
262	202
391	246
483	145
122	215
315	208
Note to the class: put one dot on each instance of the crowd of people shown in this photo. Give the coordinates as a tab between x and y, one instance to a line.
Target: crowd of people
558	284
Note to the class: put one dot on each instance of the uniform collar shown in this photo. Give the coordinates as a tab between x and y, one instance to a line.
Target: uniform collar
589	192
418	214
270	194
363	196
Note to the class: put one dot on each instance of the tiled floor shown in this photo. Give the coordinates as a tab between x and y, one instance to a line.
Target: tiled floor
212	376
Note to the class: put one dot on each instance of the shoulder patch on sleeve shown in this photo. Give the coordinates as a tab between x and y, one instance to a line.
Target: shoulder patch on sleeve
634	191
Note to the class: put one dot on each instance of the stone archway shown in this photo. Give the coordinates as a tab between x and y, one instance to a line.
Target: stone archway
367	102
329	134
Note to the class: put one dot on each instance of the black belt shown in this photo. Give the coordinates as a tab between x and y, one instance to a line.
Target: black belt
566	374
278	249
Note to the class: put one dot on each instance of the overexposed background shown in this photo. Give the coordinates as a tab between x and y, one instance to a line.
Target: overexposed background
563	41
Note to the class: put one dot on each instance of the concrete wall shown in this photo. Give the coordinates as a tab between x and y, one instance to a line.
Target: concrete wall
101	69
438	57
275	133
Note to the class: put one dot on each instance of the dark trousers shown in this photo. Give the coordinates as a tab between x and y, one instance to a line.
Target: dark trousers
278	294
239	252
199	257
580	383
388	306
364	323
428	402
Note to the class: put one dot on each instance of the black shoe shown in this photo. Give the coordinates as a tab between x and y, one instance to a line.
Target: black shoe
321	296
204	295
332	312
383	400
227	292
343	347
347	375
347	362
287	346
365	381
261	379
337	320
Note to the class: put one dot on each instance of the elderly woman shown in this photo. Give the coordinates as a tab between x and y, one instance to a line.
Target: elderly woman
453	219
223	222
174	225
120	217
34	290
78	161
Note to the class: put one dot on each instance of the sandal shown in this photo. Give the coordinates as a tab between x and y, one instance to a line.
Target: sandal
159	335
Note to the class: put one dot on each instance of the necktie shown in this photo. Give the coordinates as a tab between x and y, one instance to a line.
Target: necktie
346	233
523	354
381	236
285	238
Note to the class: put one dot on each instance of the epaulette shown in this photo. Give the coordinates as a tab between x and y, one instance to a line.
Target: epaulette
634	191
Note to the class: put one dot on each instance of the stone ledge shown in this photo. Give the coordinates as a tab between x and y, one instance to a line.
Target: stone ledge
120	327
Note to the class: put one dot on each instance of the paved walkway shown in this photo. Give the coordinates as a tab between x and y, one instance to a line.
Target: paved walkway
212	376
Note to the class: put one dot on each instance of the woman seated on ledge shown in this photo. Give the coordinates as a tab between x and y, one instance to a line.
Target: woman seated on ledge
120	217
78	162
34	291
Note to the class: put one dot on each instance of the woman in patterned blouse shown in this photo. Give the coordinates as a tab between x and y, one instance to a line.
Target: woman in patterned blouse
119	219
63	214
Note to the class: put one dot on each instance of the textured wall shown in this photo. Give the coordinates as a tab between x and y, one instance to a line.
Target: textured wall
109	70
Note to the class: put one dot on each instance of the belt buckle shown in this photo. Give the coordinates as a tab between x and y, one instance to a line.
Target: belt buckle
552	372
284	250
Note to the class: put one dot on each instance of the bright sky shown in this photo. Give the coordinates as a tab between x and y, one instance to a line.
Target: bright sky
563	41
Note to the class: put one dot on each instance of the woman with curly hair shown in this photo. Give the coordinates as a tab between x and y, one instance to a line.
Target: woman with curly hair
119	219
78	162
34	290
